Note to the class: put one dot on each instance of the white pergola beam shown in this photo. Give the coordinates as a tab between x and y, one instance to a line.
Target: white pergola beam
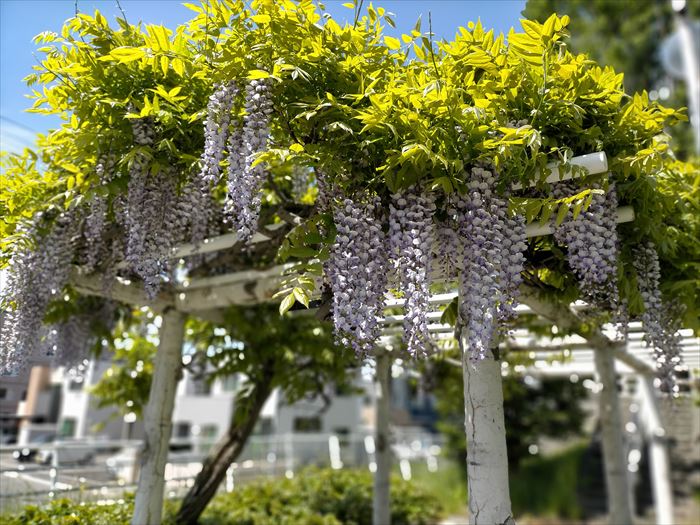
593	163
623	214
120	290
222	242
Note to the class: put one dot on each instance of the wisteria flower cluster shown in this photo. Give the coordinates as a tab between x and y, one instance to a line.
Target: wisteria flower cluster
93	230
481	234
300	182
244	181
411	237
448	248
36	276
660	332
216	131
70	341
492	260
592	245
96	216
512	259
357	270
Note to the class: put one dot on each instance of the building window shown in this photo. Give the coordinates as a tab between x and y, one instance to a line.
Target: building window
182	430
264	426
230	383
75	386
67	428
345	389
24	396
307	424
343	434
209	432
201	387
3	393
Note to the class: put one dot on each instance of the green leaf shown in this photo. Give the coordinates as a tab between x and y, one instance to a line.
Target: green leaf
178	66
287	303
255	74
261	19
301	295
561	214
449	315
577	209
392	43
302	252
127	54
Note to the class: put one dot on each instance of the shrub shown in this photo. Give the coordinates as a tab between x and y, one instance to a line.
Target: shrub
314	497
324	497
67	512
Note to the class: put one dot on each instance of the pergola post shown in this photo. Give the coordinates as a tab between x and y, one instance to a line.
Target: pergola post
660	464
614	457
484	423
381	498
167	371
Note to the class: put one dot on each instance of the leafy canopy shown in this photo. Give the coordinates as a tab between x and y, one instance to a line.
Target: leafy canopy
375	112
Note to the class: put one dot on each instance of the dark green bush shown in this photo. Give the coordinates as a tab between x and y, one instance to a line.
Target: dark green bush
323	497
314	497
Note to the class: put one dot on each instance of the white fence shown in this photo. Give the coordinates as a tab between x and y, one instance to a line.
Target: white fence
107	470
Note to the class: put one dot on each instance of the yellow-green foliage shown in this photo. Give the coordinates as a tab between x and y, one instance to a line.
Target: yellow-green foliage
373	111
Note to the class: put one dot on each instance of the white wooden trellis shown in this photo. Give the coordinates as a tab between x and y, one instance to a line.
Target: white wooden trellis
206	297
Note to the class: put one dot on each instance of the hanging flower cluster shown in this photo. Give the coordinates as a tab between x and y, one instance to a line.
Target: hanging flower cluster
325	192
492	260
657	318
36	276
216	131
512	259
448	248
357	271
411	236
70	341
195	213
94	228
479	240
300	182
592	245
244	181
143	213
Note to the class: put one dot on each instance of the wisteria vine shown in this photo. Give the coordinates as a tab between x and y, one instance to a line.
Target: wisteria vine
660	330
245	180
492	260
69	341
411	237
592	245
36	276
357	270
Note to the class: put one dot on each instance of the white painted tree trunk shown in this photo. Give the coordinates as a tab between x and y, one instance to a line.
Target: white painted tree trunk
148	504
660	463
616	478
381	499
487	457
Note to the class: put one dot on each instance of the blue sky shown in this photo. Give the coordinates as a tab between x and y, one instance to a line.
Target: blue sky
21	20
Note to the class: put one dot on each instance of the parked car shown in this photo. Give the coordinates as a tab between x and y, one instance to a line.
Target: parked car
28	454
68	451
8	439
121	465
